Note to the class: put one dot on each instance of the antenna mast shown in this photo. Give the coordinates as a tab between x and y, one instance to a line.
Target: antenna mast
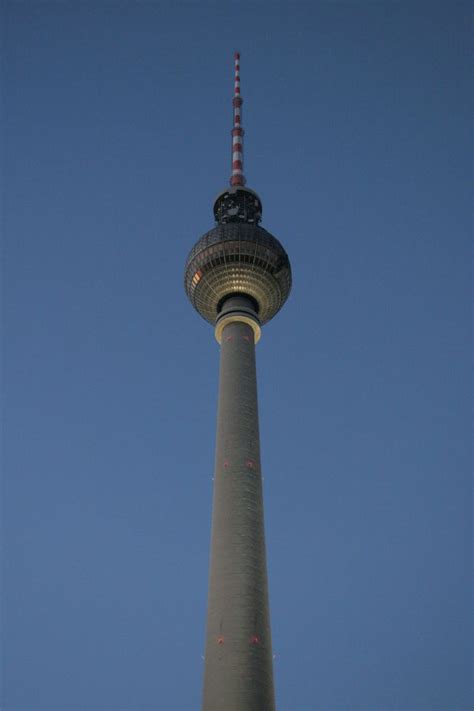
237	175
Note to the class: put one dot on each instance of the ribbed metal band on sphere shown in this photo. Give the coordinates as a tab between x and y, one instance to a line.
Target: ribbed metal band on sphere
237	258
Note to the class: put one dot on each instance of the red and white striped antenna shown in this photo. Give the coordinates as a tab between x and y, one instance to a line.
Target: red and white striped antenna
237	175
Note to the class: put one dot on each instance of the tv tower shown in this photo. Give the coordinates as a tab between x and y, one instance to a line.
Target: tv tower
238	277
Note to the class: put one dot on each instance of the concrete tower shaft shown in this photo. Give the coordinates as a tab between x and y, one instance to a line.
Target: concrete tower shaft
238	658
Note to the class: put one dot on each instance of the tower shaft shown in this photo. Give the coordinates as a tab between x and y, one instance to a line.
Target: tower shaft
238	658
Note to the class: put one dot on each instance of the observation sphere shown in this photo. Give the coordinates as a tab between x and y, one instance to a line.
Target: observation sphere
237	258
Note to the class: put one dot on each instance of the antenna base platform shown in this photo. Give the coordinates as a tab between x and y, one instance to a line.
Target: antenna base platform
238	204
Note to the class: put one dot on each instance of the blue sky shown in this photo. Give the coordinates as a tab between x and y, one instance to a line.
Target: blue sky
115	129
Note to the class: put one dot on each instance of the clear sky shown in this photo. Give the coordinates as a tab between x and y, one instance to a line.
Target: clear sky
115	129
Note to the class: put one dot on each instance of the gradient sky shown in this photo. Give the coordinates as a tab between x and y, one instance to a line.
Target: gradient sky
115	125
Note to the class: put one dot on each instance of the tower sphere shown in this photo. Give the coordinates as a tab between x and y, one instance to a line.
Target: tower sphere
237	257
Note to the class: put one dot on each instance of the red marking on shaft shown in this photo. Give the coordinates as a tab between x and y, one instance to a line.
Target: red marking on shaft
226	463
254	639
250	464
220	640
